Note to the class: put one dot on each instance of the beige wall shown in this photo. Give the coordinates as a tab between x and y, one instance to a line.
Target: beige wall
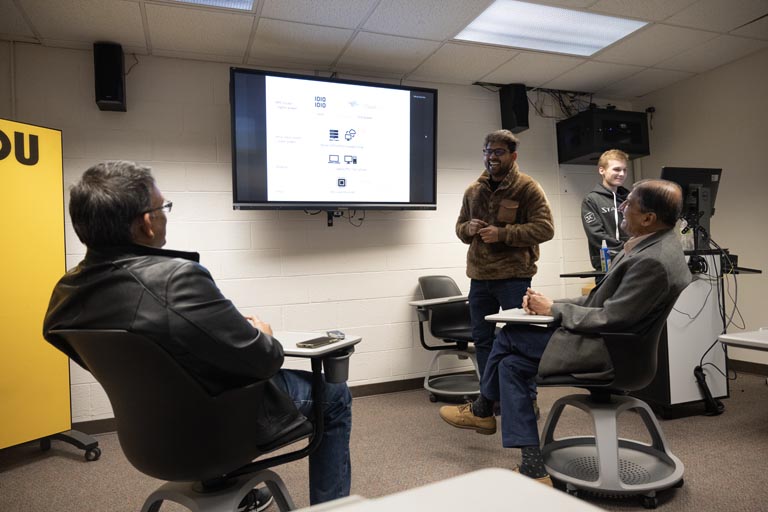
292	270
718	119
287	267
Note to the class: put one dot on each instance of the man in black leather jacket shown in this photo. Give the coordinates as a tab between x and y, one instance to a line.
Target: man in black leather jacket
127	281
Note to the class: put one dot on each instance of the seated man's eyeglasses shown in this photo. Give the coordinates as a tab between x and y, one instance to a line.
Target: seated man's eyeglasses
497	152
167	206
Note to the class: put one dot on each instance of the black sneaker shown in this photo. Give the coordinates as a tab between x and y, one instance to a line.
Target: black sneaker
256	500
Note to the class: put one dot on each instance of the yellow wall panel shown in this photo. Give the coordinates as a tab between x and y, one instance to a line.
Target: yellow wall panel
34	377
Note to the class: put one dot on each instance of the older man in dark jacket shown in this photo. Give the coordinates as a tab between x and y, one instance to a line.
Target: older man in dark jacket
127	281
646	277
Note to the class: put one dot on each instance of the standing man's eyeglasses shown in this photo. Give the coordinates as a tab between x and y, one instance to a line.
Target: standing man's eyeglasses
167	206
498	152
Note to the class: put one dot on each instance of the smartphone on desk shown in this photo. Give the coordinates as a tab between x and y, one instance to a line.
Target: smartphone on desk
317	342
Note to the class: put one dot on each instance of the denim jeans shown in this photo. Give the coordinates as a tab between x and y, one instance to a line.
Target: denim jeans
485	298
329	466
512	366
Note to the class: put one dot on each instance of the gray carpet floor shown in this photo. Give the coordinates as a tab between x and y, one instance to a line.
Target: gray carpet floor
399	442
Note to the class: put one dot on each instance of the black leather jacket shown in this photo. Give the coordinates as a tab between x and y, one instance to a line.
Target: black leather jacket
171	298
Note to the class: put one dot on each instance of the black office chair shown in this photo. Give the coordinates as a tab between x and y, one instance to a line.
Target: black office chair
170	428
604	463
450	323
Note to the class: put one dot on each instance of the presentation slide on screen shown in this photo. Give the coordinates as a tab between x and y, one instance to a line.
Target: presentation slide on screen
330	142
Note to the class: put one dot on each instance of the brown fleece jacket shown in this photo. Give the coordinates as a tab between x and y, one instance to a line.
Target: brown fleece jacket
518	206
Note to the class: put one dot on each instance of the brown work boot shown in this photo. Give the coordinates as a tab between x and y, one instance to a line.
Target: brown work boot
546	480
460	416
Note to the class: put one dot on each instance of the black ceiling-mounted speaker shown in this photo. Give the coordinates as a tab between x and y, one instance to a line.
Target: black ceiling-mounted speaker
582	138
109	77
513	101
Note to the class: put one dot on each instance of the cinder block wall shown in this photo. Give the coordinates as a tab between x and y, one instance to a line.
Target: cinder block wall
289	268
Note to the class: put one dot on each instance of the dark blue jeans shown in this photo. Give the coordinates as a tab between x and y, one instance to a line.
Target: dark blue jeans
508	377
329	466
485	298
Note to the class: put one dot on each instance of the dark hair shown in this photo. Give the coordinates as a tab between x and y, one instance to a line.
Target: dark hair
504	137
106	201
662	197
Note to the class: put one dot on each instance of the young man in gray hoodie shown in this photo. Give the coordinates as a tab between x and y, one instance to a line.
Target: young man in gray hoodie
600	214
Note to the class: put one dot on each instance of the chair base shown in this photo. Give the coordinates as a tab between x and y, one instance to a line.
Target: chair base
604	463
455	385
188	494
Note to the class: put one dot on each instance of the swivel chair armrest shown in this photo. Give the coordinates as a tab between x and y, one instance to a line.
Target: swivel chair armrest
426	303
424	344
318	389
423	307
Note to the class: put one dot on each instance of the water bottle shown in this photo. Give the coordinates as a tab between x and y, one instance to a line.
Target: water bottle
605	257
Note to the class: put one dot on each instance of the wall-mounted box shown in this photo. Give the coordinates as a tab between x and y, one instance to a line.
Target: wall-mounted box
582	138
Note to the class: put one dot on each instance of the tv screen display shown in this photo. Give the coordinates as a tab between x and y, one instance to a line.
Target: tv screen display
312	143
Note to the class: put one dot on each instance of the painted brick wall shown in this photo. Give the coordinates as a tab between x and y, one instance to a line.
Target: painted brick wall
289	268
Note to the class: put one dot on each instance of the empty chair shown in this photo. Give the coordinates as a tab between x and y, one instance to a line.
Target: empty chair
170	428
604	463
450	323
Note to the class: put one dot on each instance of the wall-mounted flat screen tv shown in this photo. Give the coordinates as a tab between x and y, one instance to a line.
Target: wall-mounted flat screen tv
313	143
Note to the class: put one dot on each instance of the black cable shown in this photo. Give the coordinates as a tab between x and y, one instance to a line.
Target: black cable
351	215
700	309
726	319
132	65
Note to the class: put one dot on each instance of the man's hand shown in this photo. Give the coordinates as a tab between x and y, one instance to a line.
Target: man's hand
535	303
475	225
258	324
489	234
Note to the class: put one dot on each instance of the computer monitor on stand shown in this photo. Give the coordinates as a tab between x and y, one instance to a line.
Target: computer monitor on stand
699	191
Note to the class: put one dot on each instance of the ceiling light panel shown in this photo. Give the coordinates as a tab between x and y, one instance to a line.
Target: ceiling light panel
544	28
241	5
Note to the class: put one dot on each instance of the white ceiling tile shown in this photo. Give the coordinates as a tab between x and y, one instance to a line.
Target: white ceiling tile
654	44
713	53
378	52
11	22
720	15
643	83
532	69
652	10
757	29
591	76
199	31
425	19
567	4
388	39
461	63
334	13
87	20
194	55
277	41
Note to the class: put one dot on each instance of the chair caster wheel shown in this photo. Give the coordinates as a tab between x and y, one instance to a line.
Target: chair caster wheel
557	484
432	398
650	502
93	454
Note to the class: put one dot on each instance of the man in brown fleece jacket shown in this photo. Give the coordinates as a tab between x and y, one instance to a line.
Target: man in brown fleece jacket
504	217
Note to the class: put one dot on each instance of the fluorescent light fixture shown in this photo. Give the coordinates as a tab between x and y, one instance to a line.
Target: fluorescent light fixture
545	28
242	5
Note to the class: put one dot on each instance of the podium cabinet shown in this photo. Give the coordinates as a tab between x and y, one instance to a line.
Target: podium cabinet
691	334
